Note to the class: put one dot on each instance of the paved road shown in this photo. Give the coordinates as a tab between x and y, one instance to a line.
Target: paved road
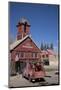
18	81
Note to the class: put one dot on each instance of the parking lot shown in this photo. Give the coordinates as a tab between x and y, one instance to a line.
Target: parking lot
51	78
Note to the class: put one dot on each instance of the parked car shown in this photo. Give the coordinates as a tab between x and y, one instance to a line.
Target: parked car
33	71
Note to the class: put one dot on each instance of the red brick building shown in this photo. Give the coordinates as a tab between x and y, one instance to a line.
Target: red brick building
24	45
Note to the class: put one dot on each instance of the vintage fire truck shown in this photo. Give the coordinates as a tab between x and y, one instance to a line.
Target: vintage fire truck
34	71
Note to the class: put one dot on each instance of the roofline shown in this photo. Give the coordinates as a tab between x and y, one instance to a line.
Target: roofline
25	39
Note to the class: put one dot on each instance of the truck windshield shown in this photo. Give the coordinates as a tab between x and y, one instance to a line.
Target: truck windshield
37	67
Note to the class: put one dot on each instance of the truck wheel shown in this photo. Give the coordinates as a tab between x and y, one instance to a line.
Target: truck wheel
33	80
42	79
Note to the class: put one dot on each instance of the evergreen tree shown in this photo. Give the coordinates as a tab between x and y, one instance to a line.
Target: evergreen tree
51	46
45	47
42	47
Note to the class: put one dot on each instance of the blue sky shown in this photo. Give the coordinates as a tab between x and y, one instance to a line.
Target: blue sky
43	19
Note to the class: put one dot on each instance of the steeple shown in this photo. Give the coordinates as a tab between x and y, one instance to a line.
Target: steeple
23	28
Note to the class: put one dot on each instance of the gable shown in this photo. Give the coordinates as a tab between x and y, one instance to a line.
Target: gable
27	45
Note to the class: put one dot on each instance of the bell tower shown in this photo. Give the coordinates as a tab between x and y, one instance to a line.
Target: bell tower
23	28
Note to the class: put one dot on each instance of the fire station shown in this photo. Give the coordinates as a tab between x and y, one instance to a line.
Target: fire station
27	49
24	46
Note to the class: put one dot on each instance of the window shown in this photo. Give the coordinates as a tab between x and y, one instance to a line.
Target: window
25	27
46	62
33	55
46	55
43	56
22	54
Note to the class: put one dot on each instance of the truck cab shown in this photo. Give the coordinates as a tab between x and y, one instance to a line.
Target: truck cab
34	71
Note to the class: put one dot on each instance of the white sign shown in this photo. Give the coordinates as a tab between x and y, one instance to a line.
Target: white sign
27	45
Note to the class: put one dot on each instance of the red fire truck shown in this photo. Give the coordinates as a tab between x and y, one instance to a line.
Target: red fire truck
34	71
